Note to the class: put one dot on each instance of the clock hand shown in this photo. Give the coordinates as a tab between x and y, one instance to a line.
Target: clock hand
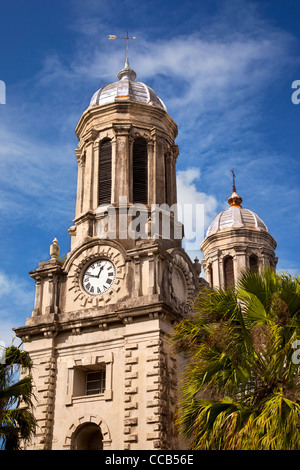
100	270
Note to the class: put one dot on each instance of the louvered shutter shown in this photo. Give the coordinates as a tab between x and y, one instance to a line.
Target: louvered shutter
228	272
105	172
140	172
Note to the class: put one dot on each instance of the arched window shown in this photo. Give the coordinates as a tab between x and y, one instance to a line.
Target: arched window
211	279
105	172
253	263
140	171
228	272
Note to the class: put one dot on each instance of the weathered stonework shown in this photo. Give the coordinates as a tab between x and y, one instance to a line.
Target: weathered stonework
122	334
238	234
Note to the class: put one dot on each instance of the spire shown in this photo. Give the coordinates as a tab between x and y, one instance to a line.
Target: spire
234	199
126	72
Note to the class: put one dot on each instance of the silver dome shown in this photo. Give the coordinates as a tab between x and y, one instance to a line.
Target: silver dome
236	217
126	89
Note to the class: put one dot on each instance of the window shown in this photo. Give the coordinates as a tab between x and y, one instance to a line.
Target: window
105	172
228	272
210	269
140	171
95	382
89	379
253	263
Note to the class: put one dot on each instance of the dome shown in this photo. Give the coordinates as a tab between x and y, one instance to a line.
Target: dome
236	217
127	89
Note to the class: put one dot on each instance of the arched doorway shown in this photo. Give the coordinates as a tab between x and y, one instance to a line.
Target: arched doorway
88	437
86	432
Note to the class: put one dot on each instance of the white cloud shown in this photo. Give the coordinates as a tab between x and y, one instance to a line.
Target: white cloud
16	297
210	79
188	193
15	290
7	335
198	209
33	177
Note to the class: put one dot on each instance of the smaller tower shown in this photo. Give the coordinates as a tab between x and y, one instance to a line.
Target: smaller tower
236	240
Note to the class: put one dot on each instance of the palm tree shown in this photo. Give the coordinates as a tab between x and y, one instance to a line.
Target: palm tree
240	389
16	418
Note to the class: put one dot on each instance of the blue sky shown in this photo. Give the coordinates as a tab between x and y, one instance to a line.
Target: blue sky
224	69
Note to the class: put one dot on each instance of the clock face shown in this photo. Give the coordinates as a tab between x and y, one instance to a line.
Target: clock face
98	277
179	285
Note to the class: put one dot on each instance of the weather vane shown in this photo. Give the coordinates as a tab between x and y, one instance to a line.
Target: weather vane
233	180
111	36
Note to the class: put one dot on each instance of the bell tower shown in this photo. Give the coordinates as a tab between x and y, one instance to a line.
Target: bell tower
105	374
236	240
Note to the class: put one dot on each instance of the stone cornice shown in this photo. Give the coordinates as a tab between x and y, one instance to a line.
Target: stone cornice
127	111
235	234
77	321
46	268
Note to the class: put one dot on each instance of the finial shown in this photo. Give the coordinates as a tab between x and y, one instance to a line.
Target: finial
234	199
197	266
126	72
54	249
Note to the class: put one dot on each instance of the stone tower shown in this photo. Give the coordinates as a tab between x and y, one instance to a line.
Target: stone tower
236	240
105	374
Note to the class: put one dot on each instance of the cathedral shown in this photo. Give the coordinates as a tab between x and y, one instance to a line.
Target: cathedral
105	374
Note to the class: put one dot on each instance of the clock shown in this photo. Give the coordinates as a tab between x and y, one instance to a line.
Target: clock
181	282
179	285
98	277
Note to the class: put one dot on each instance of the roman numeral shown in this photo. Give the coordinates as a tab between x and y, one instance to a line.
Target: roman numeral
109	281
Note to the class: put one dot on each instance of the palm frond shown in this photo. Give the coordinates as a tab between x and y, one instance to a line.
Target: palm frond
240	345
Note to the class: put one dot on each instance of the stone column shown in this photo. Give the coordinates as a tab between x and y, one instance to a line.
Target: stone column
122	175
168	179
151	165
89	179
95	182
221	272
38	297
240	262
137	276
174	155
50	306
113	170
80	179
152	274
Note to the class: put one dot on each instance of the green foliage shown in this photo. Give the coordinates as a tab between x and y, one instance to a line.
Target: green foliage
240	389
16	419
